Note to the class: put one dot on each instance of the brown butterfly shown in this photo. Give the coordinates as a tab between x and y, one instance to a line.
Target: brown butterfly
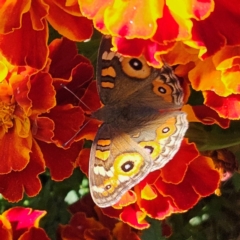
142	126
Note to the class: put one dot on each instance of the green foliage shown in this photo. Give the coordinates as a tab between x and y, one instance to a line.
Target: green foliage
154	232
214	137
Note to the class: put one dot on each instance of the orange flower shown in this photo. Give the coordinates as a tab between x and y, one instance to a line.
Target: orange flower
35	122
142	19
216	77
22	223
24	37
148	28
198	24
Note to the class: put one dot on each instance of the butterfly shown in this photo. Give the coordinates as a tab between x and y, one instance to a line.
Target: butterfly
142	125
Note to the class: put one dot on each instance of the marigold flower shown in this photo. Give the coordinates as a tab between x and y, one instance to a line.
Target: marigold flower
169	22
216	77
22	223
28	28
36	120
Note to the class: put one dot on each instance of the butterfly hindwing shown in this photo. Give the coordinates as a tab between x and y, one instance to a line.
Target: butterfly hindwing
162	136
117	163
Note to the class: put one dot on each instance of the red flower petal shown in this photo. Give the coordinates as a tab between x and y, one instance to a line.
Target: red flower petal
174	171
83	160
85	204
123	232
205	115
203	176
68	120
128	198
158	208
12	8
76	28
64	57
89	130
109	13
226	107
91	97
175	30
42	129
134	217
213	33
23	219
97	234
21	87
141	46
72	231
148	192
26	36
183	194
42	100
34	233
19	147
14	184
5	228
61	162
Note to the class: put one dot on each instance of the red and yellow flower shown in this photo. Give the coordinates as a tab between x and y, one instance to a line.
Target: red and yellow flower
24	28
22	223
153	28
36	120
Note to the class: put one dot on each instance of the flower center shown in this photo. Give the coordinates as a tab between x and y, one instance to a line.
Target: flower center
6	115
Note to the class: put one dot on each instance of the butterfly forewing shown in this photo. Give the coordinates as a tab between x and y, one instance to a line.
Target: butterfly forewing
132	81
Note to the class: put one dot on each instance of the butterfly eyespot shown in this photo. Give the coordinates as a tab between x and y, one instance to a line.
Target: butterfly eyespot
150	149
162	90
108	187
165	130
136	67
136	64
127	166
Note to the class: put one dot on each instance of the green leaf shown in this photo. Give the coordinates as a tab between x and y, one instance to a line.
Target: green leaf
214	137
154	232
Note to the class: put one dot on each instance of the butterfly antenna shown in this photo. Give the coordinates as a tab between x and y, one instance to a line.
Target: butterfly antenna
66	88
79	130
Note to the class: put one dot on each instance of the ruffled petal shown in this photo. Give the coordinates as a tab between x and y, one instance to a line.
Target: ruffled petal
15	183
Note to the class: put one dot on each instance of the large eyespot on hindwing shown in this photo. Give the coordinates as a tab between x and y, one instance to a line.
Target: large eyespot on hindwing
136	67
162	89
128	164
166	129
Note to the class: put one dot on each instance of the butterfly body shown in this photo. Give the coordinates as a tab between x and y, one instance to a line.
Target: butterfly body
142	126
